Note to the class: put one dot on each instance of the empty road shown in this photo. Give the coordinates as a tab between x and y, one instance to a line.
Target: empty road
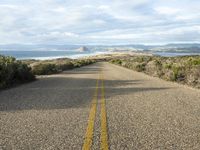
100	106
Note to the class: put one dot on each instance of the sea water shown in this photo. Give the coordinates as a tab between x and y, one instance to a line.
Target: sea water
53	54
45	54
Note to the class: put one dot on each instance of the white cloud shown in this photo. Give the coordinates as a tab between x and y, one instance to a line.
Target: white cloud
8	6
104	7
167	10
92	21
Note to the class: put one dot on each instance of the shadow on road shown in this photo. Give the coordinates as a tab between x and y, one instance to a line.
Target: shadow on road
62	93
71	89
93	70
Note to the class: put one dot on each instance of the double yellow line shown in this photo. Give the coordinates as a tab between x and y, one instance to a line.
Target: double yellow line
91	121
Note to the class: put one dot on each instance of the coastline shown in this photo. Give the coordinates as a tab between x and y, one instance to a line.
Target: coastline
48	55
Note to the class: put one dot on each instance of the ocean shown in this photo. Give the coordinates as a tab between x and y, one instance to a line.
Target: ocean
44	54
53	54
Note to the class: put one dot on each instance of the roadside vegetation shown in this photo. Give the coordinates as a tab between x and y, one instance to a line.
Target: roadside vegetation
13	72
183	69
58	65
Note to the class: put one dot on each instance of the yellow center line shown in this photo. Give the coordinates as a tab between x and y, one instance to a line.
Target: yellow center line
104	134
91	121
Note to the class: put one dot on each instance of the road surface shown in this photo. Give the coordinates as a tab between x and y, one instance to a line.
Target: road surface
101	106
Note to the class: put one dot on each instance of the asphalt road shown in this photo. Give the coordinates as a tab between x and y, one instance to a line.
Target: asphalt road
100	106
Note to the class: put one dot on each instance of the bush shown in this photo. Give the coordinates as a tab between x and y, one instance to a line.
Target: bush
184	69
193	77
193	61
116	61
167	66
13	72
65	66
140	67
179	73
23	73
45	69
154	68
82	62
56	66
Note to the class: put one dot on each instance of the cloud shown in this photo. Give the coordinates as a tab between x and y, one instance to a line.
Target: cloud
92	21
167	10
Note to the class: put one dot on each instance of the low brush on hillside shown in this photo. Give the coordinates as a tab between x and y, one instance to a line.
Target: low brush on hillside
56	66
13	72
185	69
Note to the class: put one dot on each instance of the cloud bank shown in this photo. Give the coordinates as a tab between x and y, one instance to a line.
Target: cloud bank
99	22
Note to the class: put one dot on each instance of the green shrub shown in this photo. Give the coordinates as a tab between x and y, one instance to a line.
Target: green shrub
193	77
142	59
23	73
179	73
65	66
184	69
140	67
193	61
13	71
77	65
167	66
116	61
45	69
82	62
56	66
158	63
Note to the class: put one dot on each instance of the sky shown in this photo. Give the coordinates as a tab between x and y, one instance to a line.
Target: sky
99	21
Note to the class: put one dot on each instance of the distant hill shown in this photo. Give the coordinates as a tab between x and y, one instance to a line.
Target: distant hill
177	48
171	47
83	49
183	45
